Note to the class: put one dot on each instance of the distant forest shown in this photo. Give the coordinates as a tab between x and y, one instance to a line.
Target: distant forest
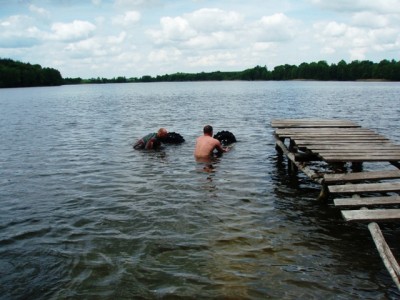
18	74
356	70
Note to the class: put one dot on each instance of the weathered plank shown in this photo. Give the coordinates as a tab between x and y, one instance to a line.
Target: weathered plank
386	254
309	172
334	138
366	201
287	123
352	146
358	151
290	133
371	215
316	130
314	143
357	176
361	158
364	187
318	147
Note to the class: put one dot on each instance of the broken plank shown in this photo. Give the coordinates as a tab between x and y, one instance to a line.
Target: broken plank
366	201
306	170
356	176
386	254
365	187
371	215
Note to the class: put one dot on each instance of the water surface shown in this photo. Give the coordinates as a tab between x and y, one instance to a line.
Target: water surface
83	215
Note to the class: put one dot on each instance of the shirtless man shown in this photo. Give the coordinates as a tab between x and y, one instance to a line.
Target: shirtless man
206	144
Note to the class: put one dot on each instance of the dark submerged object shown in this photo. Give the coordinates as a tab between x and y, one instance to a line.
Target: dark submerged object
173	138
225	137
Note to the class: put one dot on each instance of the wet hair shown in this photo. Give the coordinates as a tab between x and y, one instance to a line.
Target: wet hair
208	129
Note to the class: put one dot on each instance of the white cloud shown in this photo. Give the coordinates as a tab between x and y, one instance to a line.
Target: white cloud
357	53
164	55
213	19
359	41
215	59
38	10
387	6
127	19
117	39
19	31
333	29
172	30
368	19
136	37
130	4
275	28
75	31
214	40
109	47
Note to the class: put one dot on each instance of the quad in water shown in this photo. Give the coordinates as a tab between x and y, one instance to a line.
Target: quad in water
225	137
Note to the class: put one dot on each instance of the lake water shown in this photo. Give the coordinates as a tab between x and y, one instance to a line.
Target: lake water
84	216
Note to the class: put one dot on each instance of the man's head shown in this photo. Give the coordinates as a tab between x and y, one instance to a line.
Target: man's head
162	133
208	130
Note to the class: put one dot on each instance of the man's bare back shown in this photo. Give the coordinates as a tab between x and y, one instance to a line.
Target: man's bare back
206	144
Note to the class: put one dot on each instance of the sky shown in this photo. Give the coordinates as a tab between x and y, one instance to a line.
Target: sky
133	38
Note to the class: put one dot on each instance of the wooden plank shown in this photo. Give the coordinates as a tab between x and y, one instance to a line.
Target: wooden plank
349	147
371	215
365	187
329	135
346	146
334	138
361	158
356	176
327	130
366	201
311	130
315	143
285	123
358	151
386	254
306	170
322	132
384	156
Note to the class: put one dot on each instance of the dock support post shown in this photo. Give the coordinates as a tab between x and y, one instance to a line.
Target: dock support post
292	160
324	193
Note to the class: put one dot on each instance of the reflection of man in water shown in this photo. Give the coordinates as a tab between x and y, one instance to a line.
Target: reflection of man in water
206	144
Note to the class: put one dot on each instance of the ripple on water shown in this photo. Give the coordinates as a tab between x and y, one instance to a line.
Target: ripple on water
83	215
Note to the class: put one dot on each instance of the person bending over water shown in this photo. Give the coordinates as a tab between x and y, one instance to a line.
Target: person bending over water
206	144
151	141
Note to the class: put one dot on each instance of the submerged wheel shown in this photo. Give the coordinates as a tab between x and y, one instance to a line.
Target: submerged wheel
225	137
173	138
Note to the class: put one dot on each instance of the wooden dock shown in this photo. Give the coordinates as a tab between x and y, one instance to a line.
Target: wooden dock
332	153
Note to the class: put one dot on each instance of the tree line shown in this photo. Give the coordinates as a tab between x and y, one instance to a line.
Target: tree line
342	71
356	70
18	74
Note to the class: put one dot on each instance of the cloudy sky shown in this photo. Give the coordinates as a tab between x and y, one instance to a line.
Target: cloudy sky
132	38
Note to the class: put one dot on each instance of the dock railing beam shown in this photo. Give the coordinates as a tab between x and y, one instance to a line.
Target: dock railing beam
301	166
